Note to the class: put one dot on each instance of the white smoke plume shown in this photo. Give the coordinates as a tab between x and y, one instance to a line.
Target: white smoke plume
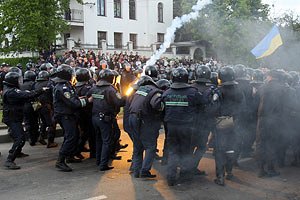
177	23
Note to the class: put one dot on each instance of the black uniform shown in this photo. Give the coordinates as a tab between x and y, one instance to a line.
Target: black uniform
106	100
144	122
270	112
13	103
31	116
226	145
181	107
66	105
46	112
205	122
85	121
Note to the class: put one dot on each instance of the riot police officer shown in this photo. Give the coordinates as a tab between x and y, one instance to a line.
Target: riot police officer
66	104
205	121
164	84
106	100
245	131
13	103
30	113
46	111
232	102
144	119
181	102
152	72
82	86
270	112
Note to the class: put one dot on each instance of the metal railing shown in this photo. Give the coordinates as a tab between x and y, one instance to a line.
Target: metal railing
74	15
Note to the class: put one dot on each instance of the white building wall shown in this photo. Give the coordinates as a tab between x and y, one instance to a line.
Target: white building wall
146	25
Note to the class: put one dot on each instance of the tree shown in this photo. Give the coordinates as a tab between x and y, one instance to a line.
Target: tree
233	27
31	24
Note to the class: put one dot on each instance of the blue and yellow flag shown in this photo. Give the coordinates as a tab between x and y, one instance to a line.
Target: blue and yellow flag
268	45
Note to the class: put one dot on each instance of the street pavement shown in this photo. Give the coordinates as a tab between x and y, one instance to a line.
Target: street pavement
39	180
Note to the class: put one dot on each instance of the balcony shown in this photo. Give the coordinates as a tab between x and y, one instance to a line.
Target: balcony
74	17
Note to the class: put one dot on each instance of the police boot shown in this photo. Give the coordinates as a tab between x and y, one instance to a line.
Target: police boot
52	144
72	159
220	181
271	171
261	168
10	164
42	141
61	164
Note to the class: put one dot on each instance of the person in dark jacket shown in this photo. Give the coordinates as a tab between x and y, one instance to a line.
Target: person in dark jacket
66	104
270	112
46	111
106	100
85	114
13	103
226	142
181	102
30	114
205	122
144	119
127	77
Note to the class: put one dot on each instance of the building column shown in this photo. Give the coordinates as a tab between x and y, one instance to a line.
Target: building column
174	50
130	46
103	46
70	43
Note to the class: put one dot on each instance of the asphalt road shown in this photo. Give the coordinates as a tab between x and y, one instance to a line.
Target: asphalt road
39	180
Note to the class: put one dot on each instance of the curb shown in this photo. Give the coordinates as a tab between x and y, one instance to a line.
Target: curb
6	138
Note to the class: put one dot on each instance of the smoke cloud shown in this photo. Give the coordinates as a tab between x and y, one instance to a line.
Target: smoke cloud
177	23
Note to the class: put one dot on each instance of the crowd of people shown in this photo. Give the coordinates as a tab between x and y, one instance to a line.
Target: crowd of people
199	104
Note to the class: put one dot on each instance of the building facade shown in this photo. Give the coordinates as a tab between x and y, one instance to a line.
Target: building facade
120	23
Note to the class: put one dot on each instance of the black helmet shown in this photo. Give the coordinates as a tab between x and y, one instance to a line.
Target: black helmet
203	72
64	72
151	71
83	75
180	74
15	69
4	65
214	78
43	67
12	79
29	76
46	66
106	75
240	71
258	76
53	71
43	76
145	80
19	65
226	74
29	66
163	84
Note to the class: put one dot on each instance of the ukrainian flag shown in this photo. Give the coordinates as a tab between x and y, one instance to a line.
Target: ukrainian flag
268	45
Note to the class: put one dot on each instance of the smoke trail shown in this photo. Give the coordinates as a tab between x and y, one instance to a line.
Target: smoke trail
177	22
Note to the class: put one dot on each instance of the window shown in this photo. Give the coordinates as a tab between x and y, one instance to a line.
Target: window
101	36
117	8
101	8
133	39
118	40
132	9
160	9
160	37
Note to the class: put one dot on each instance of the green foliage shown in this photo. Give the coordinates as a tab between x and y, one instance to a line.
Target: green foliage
31	24
15	61
229	26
